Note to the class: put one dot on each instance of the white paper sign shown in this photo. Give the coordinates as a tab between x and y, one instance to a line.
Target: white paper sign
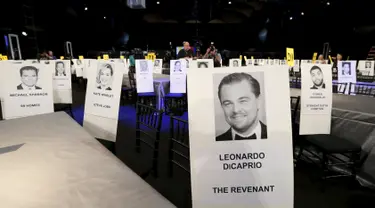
366	67
178	76
79	65
27	90
62	83
158	66
235	63
296	66
239	128
276	61
62	75
205	63
347	74
103	100
250	62
316	99
144	77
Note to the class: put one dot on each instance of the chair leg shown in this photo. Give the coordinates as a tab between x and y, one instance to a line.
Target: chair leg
71	110
324	162
170	163
137	141
155	158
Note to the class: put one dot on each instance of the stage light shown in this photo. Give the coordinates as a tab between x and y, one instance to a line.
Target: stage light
86	8
24	33
302	13
328	3
229	2
158	2
105	17
290	18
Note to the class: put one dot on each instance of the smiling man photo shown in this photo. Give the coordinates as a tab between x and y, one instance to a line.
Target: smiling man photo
239	96
317	78
29	78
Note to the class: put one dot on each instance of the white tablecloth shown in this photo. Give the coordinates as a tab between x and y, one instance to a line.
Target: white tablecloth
61	165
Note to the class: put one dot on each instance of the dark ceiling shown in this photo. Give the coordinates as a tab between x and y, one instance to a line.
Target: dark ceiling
234	23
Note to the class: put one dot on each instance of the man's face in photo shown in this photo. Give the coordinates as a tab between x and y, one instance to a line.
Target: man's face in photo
240	105
317	77
177	66
203	65
29	78
346	68
60	68
235	63
143	66
368	65
157	62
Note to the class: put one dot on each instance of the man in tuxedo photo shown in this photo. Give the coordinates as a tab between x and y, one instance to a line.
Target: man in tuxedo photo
317	78
239	96
156	63
29	78
177	66
368	65
144	66
202	64
346	68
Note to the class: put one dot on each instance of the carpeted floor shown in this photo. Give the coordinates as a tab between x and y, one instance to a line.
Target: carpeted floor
307	190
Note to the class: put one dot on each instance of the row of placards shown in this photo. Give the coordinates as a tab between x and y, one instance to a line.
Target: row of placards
239	122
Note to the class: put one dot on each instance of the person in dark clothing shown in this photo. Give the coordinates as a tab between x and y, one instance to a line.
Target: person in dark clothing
186	52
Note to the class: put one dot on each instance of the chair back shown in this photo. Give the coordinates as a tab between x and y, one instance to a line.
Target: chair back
179	151
362	89
339	88
132	80
365	78
148	124
294	104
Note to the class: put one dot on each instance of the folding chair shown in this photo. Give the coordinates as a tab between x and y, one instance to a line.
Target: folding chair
179	145
175	104
362	89
148	124
148	98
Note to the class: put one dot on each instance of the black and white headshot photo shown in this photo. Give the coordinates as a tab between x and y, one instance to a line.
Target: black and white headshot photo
104	77
202	64
29	78
157	63
249	62
345	69
144	66
235	63
60	69
368	65
240	110
177	66
79	62
317	78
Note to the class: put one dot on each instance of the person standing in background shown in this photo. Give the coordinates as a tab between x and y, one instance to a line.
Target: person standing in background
186	52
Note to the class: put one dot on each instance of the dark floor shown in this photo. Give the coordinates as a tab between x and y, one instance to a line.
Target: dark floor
307	190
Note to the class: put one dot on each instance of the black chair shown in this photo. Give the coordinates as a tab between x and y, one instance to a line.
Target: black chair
148	123
294	105
365	78
179	152
362	89
296	82
175	104
332	151
148	98
179	145
339	88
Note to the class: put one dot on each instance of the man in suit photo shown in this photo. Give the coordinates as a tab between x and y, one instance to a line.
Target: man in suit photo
367	65
346	68
29	78
317	78
239	96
